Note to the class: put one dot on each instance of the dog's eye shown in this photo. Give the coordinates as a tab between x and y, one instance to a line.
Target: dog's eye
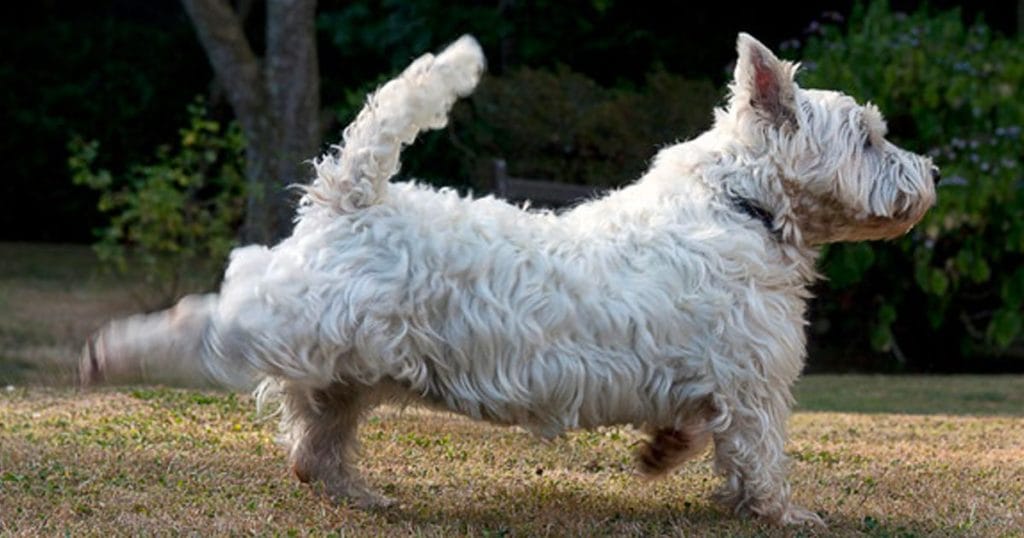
867	143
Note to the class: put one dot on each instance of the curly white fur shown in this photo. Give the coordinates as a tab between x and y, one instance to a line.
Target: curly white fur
355	175
660	305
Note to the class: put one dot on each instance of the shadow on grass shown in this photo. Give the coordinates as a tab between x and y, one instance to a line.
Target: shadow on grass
537	509
564	512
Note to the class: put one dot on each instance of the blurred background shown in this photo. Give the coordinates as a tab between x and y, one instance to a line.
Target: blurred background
142	140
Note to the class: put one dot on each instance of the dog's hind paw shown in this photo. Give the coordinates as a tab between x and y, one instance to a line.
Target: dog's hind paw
364	500
89	371
357	495
795	515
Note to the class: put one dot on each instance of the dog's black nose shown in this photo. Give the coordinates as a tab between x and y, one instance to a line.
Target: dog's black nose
936	174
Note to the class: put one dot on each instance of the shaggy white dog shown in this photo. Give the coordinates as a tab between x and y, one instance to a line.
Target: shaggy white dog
675	304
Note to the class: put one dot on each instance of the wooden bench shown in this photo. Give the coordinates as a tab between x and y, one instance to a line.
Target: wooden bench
539	192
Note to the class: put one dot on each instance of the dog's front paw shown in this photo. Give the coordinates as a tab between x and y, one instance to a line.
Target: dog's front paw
775	510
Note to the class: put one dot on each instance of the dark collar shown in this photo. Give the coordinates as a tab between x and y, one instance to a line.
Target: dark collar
753	210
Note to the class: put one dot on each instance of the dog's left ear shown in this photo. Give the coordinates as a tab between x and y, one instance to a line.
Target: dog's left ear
764	82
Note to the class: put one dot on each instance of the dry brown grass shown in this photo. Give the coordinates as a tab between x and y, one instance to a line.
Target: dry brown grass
158	461
163	461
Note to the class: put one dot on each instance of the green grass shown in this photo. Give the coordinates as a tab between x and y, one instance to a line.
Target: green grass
959	394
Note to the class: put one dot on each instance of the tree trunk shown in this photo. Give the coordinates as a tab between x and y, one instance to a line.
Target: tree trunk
277	102
1020	17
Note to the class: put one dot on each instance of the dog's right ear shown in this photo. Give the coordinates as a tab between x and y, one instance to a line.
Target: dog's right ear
764	82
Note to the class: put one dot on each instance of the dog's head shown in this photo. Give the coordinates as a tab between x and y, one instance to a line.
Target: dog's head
836	176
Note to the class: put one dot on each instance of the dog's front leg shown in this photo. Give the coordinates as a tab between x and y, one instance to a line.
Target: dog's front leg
749	454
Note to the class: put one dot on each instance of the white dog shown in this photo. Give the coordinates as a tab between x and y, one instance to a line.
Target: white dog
676	304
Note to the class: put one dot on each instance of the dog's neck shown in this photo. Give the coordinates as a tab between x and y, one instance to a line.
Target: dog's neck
704	159
703	169
755	211
760	197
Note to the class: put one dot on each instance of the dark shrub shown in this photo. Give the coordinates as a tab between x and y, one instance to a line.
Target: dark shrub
954	287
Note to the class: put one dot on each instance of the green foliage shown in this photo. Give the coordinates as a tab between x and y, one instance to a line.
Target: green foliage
562	125
175	218
953	91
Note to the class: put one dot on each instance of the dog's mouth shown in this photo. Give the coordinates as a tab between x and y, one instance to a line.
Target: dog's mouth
880	228
909	211
886	228
869	227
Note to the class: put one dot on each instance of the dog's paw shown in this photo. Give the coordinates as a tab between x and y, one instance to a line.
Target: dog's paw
363	499
355	493
775	511
89	371
373	501
795	515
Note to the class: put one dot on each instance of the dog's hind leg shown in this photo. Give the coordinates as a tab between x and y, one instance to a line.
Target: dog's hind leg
164	347
320	428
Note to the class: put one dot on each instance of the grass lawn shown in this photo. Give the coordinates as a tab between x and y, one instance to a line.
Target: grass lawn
142	461
51	298
877	456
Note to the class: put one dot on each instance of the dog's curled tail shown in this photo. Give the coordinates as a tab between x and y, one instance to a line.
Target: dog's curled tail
354	175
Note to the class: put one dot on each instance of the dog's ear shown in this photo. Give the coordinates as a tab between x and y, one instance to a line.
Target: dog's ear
764	82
